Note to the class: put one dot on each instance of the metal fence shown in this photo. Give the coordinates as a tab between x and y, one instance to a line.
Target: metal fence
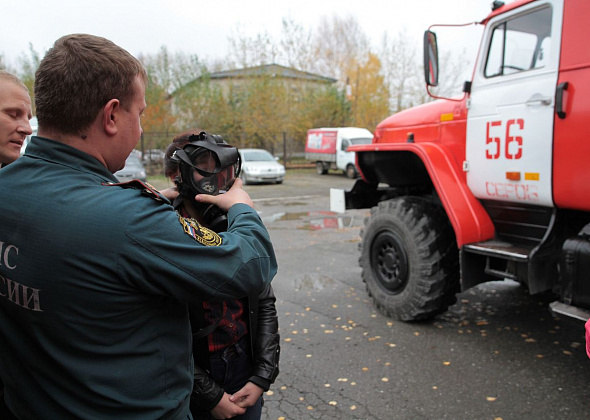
291	149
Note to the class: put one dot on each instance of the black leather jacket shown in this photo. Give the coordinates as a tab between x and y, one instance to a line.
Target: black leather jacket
263	329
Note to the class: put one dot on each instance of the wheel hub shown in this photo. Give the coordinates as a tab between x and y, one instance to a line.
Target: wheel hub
389	262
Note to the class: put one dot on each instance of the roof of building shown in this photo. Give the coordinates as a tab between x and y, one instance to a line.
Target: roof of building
274	70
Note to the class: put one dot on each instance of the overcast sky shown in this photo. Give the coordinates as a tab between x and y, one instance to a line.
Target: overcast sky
203	27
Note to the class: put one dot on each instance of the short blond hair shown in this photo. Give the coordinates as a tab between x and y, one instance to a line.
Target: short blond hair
9	77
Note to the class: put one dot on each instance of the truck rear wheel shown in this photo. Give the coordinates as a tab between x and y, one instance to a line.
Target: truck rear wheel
409	259
320	168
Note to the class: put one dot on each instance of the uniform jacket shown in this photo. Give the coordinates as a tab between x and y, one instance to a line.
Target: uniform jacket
91	324
264	342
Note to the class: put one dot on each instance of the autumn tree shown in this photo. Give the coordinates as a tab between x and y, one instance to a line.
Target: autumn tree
402	71
166	73
369	96
296	46
203	105
265	111
339	44
247	51
322	107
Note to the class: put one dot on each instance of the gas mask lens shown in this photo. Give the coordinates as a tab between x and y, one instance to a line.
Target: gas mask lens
204	176
205	161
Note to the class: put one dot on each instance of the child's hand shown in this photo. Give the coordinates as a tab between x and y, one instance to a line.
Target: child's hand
226	409
247	396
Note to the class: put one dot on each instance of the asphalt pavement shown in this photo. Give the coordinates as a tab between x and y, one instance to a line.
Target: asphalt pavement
498	353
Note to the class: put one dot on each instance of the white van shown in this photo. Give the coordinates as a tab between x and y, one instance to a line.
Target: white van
328	147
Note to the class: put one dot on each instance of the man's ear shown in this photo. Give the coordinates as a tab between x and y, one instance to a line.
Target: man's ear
110	116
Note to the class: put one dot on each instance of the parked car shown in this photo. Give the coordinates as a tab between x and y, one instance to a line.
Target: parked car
153	156
258	165
133	169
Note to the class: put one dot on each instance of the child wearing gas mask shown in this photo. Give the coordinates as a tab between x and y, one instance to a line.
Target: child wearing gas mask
235	343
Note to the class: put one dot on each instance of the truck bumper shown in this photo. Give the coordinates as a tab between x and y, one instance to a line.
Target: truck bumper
361	196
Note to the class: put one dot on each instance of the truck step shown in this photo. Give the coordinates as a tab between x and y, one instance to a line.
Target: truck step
570	310
500	249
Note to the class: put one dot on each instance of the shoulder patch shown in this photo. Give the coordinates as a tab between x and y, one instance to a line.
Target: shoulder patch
199	233
146	188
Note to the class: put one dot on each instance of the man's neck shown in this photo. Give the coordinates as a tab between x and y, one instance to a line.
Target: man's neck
76	141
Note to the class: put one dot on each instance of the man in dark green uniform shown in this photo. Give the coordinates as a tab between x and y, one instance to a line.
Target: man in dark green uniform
15	113
95	277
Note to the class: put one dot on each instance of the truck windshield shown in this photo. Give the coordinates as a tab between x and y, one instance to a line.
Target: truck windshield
361	140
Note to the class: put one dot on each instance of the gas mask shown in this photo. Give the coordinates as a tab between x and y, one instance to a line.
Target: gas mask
207	165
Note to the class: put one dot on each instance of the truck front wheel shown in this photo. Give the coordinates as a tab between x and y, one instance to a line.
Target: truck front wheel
409	259
320	168
350	171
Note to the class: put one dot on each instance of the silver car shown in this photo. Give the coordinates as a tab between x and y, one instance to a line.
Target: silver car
258	165
133	169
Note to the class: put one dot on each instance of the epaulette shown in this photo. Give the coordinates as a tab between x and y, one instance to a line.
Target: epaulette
146	188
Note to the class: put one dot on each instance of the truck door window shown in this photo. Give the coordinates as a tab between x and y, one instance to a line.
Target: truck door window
519	44
345	144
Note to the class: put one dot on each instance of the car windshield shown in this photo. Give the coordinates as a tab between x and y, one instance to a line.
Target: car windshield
257	156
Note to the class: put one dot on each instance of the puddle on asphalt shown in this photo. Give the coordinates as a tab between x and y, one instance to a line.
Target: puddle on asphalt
317	220
276	202
291	216
312	282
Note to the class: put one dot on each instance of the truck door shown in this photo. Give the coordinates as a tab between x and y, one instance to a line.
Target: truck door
511	106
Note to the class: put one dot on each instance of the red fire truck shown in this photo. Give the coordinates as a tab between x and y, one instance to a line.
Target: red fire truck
492	186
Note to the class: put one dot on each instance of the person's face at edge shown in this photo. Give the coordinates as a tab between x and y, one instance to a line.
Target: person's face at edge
15	113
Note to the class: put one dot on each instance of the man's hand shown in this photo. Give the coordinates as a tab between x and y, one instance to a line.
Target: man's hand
247	396
226	409
235	195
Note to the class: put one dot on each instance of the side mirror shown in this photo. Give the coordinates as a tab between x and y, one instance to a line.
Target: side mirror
430	59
